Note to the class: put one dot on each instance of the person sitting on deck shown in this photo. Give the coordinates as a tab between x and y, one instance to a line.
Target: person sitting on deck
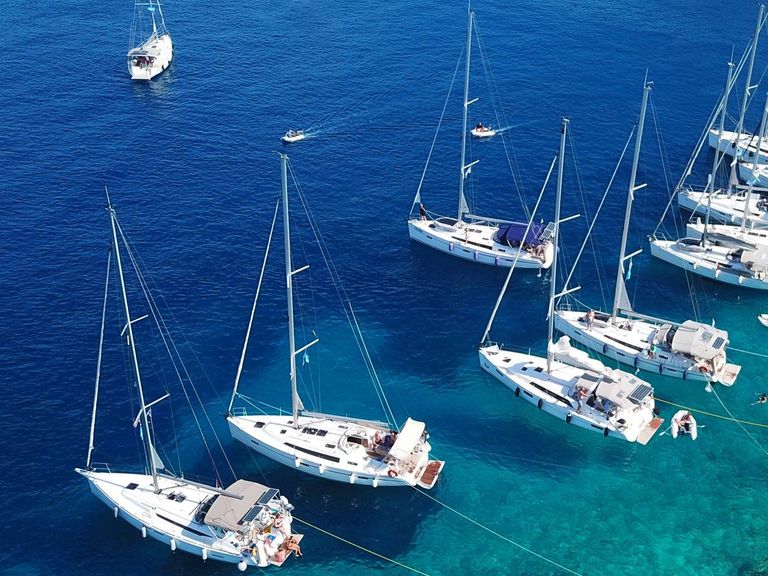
290	544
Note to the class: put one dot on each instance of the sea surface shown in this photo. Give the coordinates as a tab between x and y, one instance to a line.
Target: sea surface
191	162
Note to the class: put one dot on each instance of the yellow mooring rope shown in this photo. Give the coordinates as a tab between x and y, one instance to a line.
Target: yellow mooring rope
728	418
363	548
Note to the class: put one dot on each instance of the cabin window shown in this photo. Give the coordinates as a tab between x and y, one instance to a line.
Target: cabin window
259	425
132	486
355	440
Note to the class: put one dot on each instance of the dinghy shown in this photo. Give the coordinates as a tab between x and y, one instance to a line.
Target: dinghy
683	422
481	131
293	136
763	318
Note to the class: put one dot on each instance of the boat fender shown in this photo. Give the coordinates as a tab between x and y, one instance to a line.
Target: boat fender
116	510
353	478
605	432
685	374
392	473
568	417
143	531
205	554
605	348
517	393
173	544
661	368
635	364
375	481
321	469
703	369
540	404
242	566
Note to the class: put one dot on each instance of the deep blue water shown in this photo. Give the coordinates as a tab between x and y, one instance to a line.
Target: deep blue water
191	163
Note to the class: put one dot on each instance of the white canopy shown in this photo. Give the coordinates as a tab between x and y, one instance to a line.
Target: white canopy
228	512
699	340
407	439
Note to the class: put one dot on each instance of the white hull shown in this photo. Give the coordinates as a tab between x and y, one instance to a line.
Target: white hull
628	341
756	236
677	428
726	208
757	173
475	242
711	262
747	145
763	318
553	393
289	137
482	133
168	520
150	58
330	453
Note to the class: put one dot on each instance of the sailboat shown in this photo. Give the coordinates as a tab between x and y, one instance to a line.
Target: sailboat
731	257
485	240
730	204
691	350
151	47
567	384
338	448
247	523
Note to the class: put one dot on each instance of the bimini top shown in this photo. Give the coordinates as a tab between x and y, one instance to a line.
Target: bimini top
699	340
233	513
407	439
624	393
514	234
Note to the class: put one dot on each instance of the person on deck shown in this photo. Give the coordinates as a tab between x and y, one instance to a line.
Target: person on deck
422	211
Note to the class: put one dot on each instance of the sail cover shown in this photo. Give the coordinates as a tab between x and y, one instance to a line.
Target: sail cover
514	234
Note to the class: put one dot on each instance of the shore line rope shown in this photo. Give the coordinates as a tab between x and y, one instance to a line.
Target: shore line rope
497	534
728	418
363	548
747	352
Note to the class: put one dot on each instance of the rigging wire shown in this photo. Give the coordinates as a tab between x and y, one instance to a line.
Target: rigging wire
253	308
417	198
738	422
175	357
501	120
345	301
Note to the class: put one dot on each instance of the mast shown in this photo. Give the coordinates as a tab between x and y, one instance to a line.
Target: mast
754	166
620	288
745	98
553	278
463	173
289	291
134	356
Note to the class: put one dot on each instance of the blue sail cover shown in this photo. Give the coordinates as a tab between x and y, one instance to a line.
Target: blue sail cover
514	234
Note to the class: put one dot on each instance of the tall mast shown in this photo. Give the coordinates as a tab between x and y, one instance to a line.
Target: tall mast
289	290
745	98
463	171
754	166
553	276
134	356
620	288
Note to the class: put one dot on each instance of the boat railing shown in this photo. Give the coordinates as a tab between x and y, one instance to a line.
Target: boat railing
100	467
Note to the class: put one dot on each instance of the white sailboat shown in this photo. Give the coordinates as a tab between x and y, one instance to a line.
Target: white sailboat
722	257
730	204
485	240
691	350
151	47
567	383
333	447
247	524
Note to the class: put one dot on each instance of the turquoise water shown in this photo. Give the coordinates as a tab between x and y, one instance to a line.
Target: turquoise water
191	165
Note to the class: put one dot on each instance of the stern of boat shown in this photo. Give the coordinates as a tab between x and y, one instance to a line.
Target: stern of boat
649	430
429	476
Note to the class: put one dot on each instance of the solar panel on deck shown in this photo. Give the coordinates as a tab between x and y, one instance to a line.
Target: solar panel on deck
251	514
640	393
267	496
719	341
